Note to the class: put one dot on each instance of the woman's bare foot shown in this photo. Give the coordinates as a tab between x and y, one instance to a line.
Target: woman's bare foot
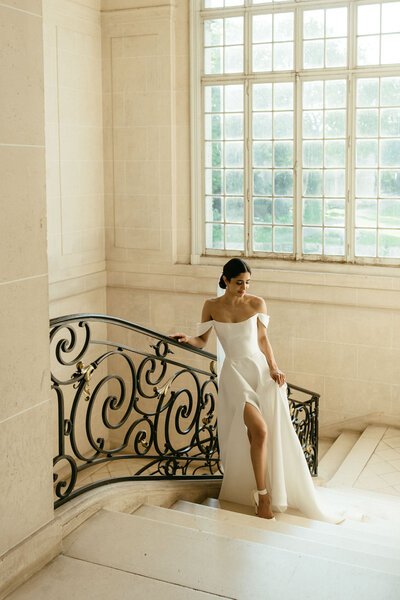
264	507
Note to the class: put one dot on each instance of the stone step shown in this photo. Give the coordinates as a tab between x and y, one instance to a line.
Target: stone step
284	536
311	529
220	564
358	457
337	452
66	578
323	446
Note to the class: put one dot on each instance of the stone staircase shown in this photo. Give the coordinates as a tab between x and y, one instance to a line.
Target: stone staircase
193	551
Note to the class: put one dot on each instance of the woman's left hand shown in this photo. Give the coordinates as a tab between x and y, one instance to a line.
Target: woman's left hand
278	376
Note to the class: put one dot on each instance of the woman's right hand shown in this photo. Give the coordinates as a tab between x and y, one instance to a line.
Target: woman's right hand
180	337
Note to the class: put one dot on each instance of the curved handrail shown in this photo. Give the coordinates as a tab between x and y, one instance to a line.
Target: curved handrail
129	325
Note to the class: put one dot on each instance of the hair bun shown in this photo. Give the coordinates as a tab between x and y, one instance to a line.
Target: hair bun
222	283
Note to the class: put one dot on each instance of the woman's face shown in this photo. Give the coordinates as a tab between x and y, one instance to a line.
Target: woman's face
238	285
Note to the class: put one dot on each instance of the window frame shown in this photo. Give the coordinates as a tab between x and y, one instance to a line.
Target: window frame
199	253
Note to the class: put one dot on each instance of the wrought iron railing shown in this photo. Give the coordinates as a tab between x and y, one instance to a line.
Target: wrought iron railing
130	407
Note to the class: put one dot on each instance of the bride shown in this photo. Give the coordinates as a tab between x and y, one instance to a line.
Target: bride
253	407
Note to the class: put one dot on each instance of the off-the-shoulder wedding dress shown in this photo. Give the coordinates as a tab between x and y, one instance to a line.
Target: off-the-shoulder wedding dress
244	377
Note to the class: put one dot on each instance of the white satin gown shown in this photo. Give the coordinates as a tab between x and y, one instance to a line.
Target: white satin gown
244	377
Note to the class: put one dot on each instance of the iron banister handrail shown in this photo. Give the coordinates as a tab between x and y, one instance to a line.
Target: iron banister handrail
129	325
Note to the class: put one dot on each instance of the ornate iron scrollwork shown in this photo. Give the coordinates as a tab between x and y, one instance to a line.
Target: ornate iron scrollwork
141	409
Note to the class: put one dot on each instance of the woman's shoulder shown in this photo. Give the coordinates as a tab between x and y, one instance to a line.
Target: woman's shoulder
257	303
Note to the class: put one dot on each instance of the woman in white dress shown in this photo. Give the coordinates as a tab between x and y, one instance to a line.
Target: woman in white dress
253	406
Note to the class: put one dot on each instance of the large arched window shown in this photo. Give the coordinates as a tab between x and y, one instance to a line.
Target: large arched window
296	129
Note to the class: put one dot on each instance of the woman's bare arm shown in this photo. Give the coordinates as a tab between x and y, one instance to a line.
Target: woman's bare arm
198	341
266	348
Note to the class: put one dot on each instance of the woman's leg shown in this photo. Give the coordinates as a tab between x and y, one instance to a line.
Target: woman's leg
257	433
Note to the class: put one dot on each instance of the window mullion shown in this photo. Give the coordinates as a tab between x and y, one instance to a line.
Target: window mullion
298	105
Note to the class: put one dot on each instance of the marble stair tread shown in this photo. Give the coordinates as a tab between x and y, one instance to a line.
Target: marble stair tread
357	458
381	520
234	513
333	458
218	564
323	446
67	578
285	536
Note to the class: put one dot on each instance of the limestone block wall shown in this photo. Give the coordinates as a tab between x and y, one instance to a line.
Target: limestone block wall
74	156
25	408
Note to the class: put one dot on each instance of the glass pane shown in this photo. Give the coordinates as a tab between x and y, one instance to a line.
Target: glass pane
213	127
262	238
262	28
234	182
283	26
335	94
312	211
313	54
336	52
283	96
262	57
335	183
389	244
213	3
390	122
234	210
283	239
390	49
313	24
367	153
233	126
368	92
390	184
283	125
214	236
283	211
262	182
262	210
390	91
368	50
367	123
366	183
336	22
390	153
262	125
335	123
312	154
368	19
234	154
262	96
213	32
213	98
390	17
312	240
389	213
233	98
313	94
213	181
283	154
335	154
213	154
312	124
233	30
213	60
283	183
262	154
334	211
234	237
283	56
214	208
233	59
365	242
334	241
366	212
312	183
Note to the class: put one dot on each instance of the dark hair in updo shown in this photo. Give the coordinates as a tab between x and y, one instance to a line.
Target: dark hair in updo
233	268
